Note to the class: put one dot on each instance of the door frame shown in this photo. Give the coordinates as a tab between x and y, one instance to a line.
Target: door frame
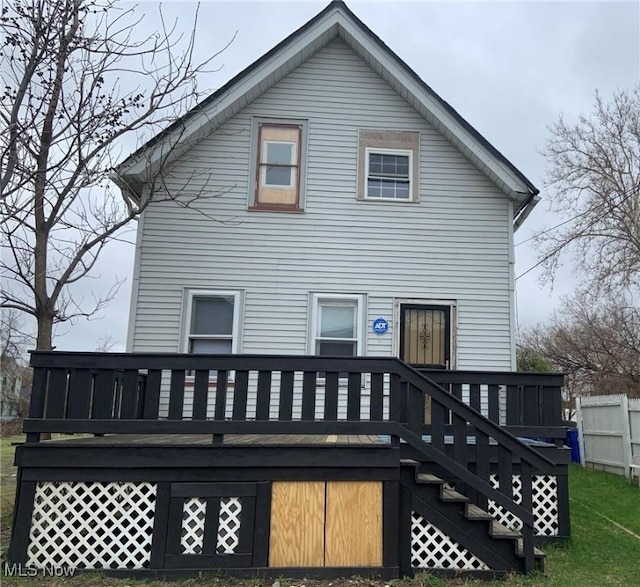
451	305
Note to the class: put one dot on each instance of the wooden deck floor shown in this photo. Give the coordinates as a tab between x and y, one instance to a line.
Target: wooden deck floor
229	439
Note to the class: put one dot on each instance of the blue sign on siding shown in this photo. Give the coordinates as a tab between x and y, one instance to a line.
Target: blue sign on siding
380	326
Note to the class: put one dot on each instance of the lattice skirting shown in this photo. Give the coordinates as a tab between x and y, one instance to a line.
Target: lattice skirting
433	549
92	525
194	513
545	505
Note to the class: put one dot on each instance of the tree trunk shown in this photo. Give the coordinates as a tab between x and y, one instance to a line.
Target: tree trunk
45	333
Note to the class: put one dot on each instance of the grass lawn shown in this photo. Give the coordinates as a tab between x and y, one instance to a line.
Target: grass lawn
7	488
604	550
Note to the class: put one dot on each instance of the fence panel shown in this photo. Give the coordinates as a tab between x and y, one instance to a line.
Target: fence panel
634	432
609	433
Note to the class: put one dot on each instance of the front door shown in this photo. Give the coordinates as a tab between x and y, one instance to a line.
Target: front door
425	339
425	335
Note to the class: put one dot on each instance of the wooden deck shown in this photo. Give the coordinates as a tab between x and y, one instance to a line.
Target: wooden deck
143	440
229	439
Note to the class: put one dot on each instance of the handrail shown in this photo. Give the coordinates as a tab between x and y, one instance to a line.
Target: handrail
502	377
463	474
472	416
230	362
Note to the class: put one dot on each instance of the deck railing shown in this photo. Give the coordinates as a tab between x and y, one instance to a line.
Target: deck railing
257	394
526	404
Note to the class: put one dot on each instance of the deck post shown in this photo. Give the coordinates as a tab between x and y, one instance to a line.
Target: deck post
25	495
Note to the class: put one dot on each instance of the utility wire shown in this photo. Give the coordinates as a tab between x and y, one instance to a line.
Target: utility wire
628	195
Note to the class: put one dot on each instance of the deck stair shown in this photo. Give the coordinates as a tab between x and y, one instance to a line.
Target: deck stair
479	543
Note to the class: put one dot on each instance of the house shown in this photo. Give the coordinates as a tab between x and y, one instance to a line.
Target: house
14	390
335	188
319	378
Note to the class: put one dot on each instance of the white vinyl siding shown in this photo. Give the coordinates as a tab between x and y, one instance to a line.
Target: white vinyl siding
452	245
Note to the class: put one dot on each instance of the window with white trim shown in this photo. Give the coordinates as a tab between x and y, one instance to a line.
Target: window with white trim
337	325
389	173
212	320
388	163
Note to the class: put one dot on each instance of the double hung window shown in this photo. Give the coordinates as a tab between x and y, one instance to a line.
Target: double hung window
389	174
212	322
278	167
337	325
388	164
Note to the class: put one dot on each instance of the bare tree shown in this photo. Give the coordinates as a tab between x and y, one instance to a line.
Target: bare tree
595	341
594	176
105	344
76	81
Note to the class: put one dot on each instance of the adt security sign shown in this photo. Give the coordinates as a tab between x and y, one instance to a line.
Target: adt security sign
380	326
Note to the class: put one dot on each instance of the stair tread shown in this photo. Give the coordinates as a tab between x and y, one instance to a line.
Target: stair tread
448	494
428	478
499	530
475	513
409	463
536	551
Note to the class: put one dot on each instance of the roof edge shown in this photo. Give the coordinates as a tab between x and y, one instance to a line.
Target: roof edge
530	201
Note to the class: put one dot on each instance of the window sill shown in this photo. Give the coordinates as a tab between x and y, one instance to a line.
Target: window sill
275	208
392	200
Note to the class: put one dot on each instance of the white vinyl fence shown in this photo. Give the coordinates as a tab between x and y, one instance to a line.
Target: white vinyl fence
609	433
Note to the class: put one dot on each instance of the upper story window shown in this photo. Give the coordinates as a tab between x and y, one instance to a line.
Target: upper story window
212	322
389	174
388	164
279	166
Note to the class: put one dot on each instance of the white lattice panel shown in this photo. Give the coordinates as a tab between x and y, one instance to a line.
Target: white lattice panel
545	505
229	525
194	511
92	525
433	549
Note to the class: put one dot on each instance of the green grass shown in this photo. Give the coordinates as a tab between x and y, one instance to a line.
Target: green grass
7	487
599	554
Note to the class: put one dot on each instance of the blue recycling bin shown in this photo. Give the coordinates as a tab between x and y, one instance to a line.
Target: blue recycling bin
573	444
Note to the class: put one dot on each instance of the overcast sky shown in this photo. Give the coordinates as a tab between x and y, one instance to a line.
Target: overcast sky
509	68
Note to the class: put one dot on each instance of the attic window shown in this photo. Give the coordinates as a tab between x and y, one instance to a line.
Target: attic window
388	164
389	174
278	173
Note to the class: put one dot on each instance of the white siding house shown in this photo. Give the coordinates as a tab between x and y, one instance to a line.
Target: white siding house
308	267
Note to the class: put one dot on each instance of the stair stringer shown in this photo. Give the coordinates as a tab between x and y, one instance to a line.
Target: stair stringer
499	554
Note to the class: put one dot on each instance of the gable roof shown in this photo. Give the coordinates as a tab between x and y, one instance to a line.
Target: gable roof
336	20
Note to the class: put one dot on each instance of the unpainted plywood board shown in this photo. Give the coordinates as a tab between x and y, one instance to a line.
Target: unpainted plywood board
353	532
297	524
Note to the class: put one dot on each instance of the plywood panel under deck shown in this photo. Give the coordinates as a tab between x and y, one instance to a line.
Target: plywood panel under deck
297	524
353	531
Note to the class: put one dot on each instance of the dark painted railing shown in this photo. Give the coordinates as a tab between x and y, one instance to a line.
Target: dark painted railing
257	394
526	404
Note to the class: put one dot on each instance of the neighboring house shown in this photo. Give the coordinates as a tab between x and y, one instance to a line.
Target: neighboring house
333	187
11	384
